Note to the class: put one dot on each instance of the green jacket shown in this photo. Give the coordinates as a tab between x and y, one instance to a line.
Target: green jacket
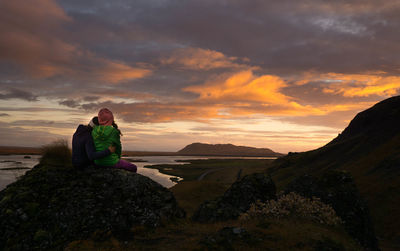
103	137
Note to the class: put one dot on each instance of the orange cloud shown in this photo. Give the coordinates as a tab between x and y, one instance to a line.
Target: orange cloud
364	85
356	85
202	59
243	86
245	93
33	10
32	41
242	94
202	111
32	37
115	72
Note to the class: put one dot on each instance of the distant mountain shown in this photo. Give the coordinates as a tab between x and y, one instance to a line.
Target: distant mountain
226	150
369	149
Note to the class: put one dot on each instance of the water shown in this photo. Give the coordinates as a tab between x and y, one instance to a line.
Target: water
154	174
14	166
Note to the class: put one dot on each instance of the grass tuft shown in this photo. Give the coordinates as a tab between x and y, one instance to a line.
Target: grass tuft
56	153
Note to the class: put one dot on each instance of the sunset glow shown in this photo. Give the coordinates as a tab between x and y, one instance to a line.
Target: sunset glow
288	76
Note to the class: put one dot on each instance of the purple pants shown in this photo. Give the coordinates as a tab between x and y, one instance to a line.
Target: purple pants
123	164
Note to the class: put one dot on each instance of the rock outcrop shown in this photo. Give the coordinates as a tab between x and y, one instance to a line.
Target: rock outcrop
369	149
51	206
337	188
237	199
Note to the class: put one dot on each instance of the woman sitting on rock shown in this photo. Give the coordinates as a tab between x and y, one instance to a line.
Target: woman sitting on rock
106	134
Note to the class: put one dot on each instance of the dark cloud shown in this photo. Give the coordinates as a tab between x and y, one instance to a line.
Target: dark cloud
33	122
4	115
32	109
283	133
281	36
70	103
267	32
14	93
31	137
90	98
157	61
154	111
44	123
43	47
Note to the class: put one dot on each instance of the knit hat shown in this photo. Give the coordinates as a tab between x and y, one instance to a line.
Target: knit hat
105	117
94	122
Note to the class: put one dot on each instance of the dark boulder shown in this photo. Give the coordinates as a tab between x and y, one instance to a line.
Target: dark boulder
337	188
51	206
237	199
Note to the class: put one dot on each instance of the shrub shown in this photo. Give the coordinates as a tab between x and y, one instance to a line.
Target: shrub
294	205
56	153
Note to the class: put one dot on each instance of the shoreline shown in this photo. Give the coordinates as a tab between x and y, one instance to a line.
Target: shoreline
20	150
193	169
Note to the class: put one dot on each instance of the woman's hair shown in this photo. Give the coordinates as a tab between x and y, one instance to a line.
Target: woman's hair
93	122
116	127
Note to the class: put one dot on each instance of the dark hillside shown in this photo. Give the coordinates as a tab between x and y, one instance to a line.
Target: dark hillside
381	121
369	148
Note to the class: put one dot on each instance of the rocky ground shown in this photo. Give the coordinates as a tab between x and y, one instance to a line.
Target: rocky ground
53	205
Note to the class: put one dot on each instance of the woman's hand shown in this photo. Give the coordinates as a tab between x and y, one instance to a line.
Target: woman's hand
112	149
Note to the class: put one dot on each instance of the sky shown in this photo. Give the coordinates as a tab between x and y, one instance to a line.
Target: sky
285	75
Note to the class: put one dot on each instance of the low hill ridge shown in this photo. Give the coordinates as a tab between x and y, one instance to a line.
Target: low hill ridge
226	150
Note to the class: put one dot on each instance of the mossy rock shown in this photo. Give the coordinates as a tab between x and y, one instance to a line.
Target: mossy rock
51	206
237	199
338	189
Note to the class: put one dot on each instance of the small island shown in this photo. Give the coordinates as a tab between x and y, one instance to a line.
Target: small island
201	149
